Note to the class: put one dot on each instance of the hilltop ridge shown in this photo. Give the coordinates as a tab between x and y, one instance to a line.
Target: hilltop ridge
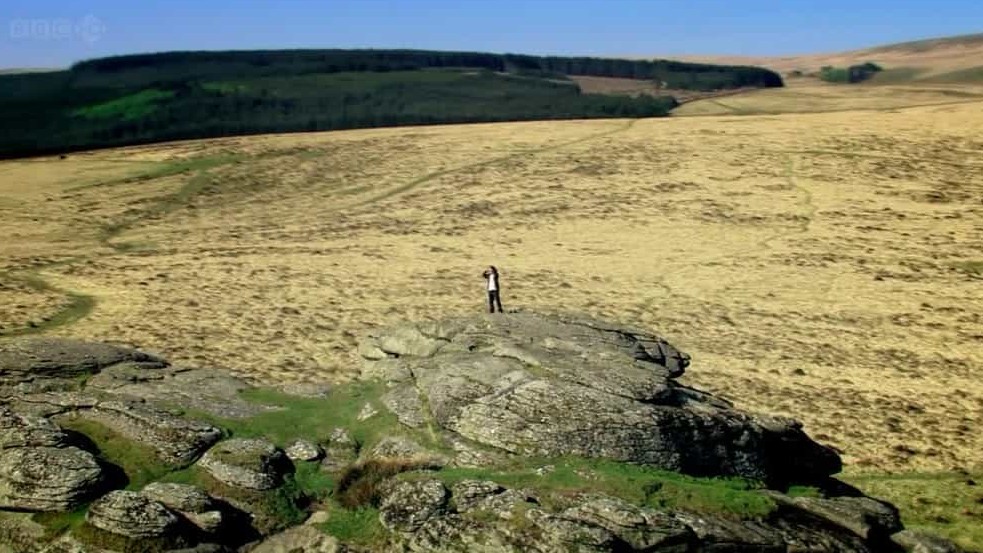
942	59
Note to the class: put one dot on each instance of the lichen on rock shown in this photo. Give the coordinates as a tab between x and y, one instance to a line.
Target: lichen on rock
531	384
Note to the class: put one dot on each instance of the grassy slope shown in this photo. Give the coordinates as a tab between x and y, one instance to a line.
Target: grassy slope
945	503
947	59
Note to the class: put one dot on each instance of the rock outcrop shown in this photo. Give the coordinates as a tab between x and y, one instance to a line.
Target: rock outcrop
405	506
341	451
485	516
39	469
177	440
191	502
131	515
486	391
36	359
252	464
205	390
301	539
529	384
304	451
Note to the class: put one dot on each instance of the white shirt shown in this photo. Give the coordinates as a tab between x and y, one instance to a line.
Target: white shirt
492	282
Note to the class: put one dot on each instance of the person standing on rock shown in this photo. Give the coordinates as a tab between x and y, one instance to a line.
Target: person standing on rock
494	290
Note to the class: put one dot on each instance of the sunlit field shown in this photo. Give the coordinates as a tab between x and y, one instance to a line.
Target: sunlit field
824	266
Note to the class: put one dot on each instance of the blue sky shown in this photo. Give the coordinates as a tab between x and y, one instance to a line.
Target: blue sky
49	33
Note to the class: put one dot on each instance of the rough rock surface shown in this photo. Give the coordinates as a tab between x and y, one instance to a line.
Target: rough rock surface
425	519
341	451
253	464
208	390
301	539
533	384
190	501
177	440
39	470
40	358
405	506
399	447
304	450
641	529
918	542
490	389
468	494
866	517
131	515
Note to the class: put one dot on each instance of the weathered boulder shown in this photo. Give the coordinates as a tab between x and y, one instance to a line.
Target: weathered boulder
39	470
459	534
33	359
177	440
17	430
641	529
469	493
400	447
405	506
489	497
717	533
190	501
300	539
341	451
919	542
47	478
866	517
304	451
179	497
131	515
253	464
408	339
530	384
211	391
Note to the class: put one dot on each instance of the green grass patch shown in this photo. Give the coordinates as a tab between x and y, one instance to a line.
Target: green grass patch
315	418
79	306
126	108
157	170
107	541
315	483
637	484
360	527
58	524
974	267
180	198
948	504
971	75
897	75
140	462
225	87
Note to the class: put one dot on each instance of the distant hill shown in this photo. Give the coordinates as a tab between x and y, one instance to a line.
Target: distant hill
177	95
18	70
947	59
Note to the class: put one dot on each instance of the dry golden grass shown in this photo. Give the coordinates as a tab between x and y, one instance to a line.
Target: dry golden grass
814	96
928	59
815	265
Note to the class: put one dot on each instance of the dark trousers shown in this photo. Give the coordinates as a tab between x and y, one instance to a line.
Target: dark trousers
494	300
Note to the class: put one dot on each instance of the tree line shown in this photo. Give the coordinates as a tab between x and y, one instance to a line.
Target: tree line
179	95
